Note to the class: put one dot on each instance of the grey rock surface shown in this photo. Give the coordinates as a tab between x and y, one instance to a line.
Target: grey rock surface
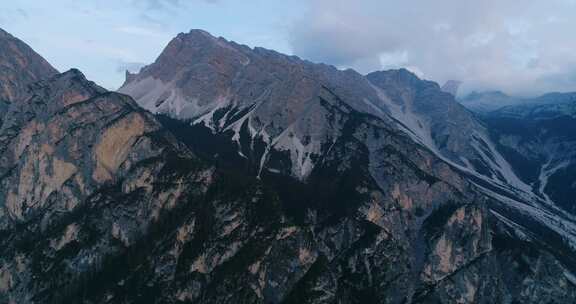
321	200
19	66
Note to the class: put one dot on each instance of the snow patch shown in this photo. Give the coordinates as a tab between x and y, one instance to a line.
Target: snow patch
300	154
157	96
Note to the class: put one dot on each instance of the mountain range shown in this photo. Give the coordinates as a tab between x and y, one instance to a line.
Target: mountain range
536	136
222	173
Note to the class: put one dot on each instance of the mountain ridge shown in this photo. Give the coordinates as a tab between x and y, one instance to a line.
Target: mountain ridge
329	194
402	111
208	77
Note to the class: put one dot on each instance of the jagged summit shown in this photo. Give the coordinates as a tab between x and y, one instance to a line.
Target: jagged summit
196	36
74	75
200	32
74	72
65	89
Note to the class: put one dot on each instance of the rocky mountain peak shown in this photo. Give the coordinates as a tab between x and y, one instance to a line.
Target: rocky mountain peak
70	78
63	90
193	38
197	34
196	48
66	79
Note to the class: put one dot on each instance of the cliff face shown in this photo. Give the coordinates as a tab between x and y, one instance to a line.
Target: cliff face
267	198
86	174
19	66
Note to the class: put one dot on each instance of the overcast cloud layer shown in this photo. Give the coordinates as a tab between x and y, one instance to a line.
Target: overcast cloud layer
520	46
523	47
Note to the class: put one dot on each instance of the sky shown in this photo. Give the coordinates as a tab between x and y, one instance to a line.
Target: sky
522	47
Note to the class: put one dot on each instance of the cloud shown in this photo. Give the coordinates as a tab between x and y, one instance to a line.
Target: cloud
159	4
523	47
167	4
161	13
10	16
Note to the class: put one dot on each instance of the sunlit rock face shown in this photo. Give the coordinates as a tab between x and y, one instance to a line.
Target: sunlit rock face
19	66
86	174
298	195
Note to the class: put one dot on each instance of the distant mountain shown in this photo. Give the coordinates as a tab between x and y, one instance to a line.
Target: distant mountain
548	106
263	178
483	102
537	138
492	101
